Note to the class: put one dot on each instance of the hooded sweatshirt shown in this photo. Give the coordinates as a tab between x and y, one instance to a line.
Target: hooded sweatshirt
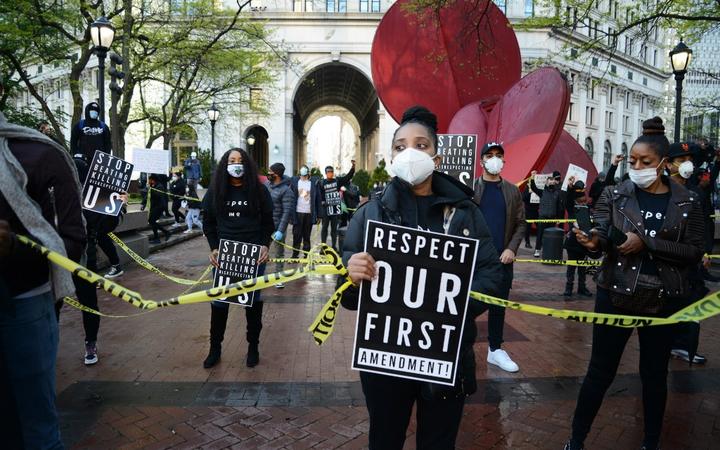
89	135
284	202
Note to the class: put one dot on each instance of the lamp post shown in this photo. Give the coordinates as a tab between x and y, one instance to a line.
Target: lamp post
213	114
680	58
102	33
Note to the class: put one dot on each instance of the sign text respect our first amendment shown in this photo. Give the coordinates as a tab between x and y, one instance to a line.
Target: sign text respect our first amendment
411	316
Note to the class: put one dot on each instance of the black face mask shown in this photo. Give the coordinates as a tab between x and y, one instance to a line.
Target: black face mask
271	177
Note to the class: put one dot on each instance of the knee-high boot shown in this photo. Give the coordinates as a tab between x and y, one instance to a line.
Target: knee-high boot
218	322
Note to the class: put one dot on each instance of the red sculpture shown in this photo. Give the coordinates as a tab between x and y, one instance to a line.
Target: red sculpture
463	63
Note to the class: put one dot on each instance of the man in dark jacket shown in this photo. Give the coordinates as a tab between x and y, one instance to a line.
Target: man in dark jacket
39	198
551	205
329	191
284	204
177	187
158	202
306	191
501	204
90	134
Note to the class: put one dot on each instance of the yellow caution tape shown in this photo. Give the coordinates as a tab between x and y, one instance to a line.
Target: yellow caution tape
146	265
520	183
190	199
76	304
712	256
322	326
549	220
563	262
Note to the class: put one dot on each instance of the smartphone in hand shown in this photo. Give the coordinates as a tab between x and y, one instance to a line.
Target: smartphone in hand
582	217
617	237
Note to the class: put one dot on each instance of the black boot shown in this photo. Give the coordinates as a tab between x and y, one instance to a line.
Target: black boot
167	234
253	355
582	288
584	291
568	290
218	322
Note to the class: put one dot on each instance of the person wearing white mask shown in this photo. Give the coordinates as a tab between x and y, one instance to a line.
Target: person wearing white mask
651	231
501	204
305	216
237	207
418	196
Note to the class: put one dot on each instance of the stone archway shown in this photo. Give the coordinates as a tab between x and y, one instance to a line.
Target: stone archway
256	140
339	89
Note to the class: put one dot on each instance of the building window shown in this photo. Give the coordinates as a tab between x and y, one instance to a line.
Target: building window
297	5
375	6
330	5
255	98
642	104
589	115
626	124
613	68
589	147
570	112
611	95
645	81
342	6
609	120
364	6
627	99
607	155
309	6
529	8
59	90
592	89
655	58
630	75
502	5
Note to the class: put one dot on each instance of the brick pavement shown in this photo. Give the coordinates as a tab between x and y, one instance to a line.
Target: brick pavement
149	389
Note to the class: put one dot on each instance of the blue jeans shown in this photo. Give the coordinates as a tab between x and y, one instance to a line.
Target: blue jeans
28	349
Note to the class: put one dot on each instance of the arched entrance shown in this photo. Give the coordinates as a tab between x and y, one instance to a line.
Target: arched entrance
342	90
257	143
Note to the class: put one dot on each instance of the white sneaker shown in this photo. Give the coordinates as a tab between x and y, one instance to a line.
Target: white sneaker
280	285
187	231
501	359
537	253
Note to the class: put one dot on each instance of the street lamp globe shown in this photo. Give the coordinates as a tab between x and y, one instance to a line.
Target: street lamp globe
680	58
251	140
213	113
102	33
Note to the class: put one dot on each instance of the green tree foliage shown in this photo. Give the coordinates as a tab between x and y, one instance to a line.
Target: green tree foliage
362	181
379	175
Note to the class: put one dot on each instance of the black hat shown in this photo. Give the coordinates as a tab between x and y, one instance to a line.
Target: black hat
682	149
491	145
329	169
579	185
278	169
556	174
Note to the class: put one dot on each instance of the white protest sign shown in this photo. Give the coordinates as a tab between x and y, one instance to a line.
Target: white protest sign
151	160
540	182
458	152
237	261
107	178
411	318
578	172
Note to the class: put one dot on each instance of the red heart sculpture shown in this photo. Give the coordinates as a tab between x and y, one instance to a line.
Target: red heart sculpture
445	60
569	151
527	120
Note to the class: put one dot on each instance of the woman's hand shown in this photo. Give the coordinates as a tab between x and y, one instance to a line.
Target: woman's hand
213	257
591	242
264	253
361	267
632	245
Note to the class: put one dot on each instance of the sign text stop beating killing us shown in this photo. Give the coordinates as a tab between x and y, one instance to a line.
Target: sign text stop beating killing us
411	316
458	152
107	178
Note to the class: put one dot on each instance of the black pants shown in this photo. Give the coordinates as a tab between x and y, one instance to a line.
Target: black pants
108	247
390	402
179	217
570	273
301	233
540	230
86	292
253	315
153	217
607	349
332	221
496	314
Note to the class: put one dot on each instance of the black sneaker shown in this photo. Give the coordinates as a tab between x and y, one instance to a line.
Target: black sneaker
684	355
154	241
91	356
584	291
567	446
115	271
253	355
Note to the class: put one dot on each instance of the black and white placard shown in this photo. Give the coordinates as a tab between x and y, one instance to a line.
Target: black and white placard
410	317
107	178
237	261
458	153
333	202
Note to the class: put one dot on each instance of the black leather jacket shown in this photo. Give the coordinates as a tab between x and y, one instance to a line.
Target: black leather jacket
677	248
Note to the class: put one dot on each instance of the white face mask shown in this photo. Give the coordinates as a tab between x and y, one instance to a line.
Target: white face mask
643	177
236	170
686	169
493	165
303	171
93	114
412	165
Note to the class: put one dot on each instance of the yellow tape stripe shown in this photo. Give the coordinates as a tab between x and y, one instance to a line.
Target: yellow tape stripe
191	199
563	262
520	183
323	325
76	304
147	265
549	220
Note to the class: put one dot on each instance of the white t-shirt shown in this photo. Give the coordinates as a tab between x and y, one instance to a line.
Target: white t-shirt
303	201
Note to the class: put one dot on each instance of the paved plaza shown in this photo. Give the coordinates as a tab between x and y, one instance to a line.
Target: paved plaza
150	391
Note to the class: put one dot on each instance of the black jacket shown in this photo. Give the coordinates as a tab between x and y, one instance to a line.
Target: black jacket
178	187
552	201
676	249
396	206
341	181
52	185
89	135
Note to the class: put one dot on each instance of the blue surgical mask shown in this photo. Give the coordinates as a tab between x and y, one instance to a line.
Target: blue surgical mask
303	171
93	114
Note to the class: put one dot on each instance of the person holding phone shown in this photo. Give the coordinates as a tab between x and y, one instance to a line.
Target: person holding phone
237	207
580	212
421	197
652	232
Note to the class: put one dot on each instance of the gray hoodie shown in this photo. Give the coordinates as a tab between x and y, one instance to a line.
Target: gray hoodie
284	203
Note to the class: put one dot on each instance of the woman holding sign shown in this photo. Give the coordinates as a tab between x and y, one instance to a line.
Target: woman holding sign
652	233
421	197
237	207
